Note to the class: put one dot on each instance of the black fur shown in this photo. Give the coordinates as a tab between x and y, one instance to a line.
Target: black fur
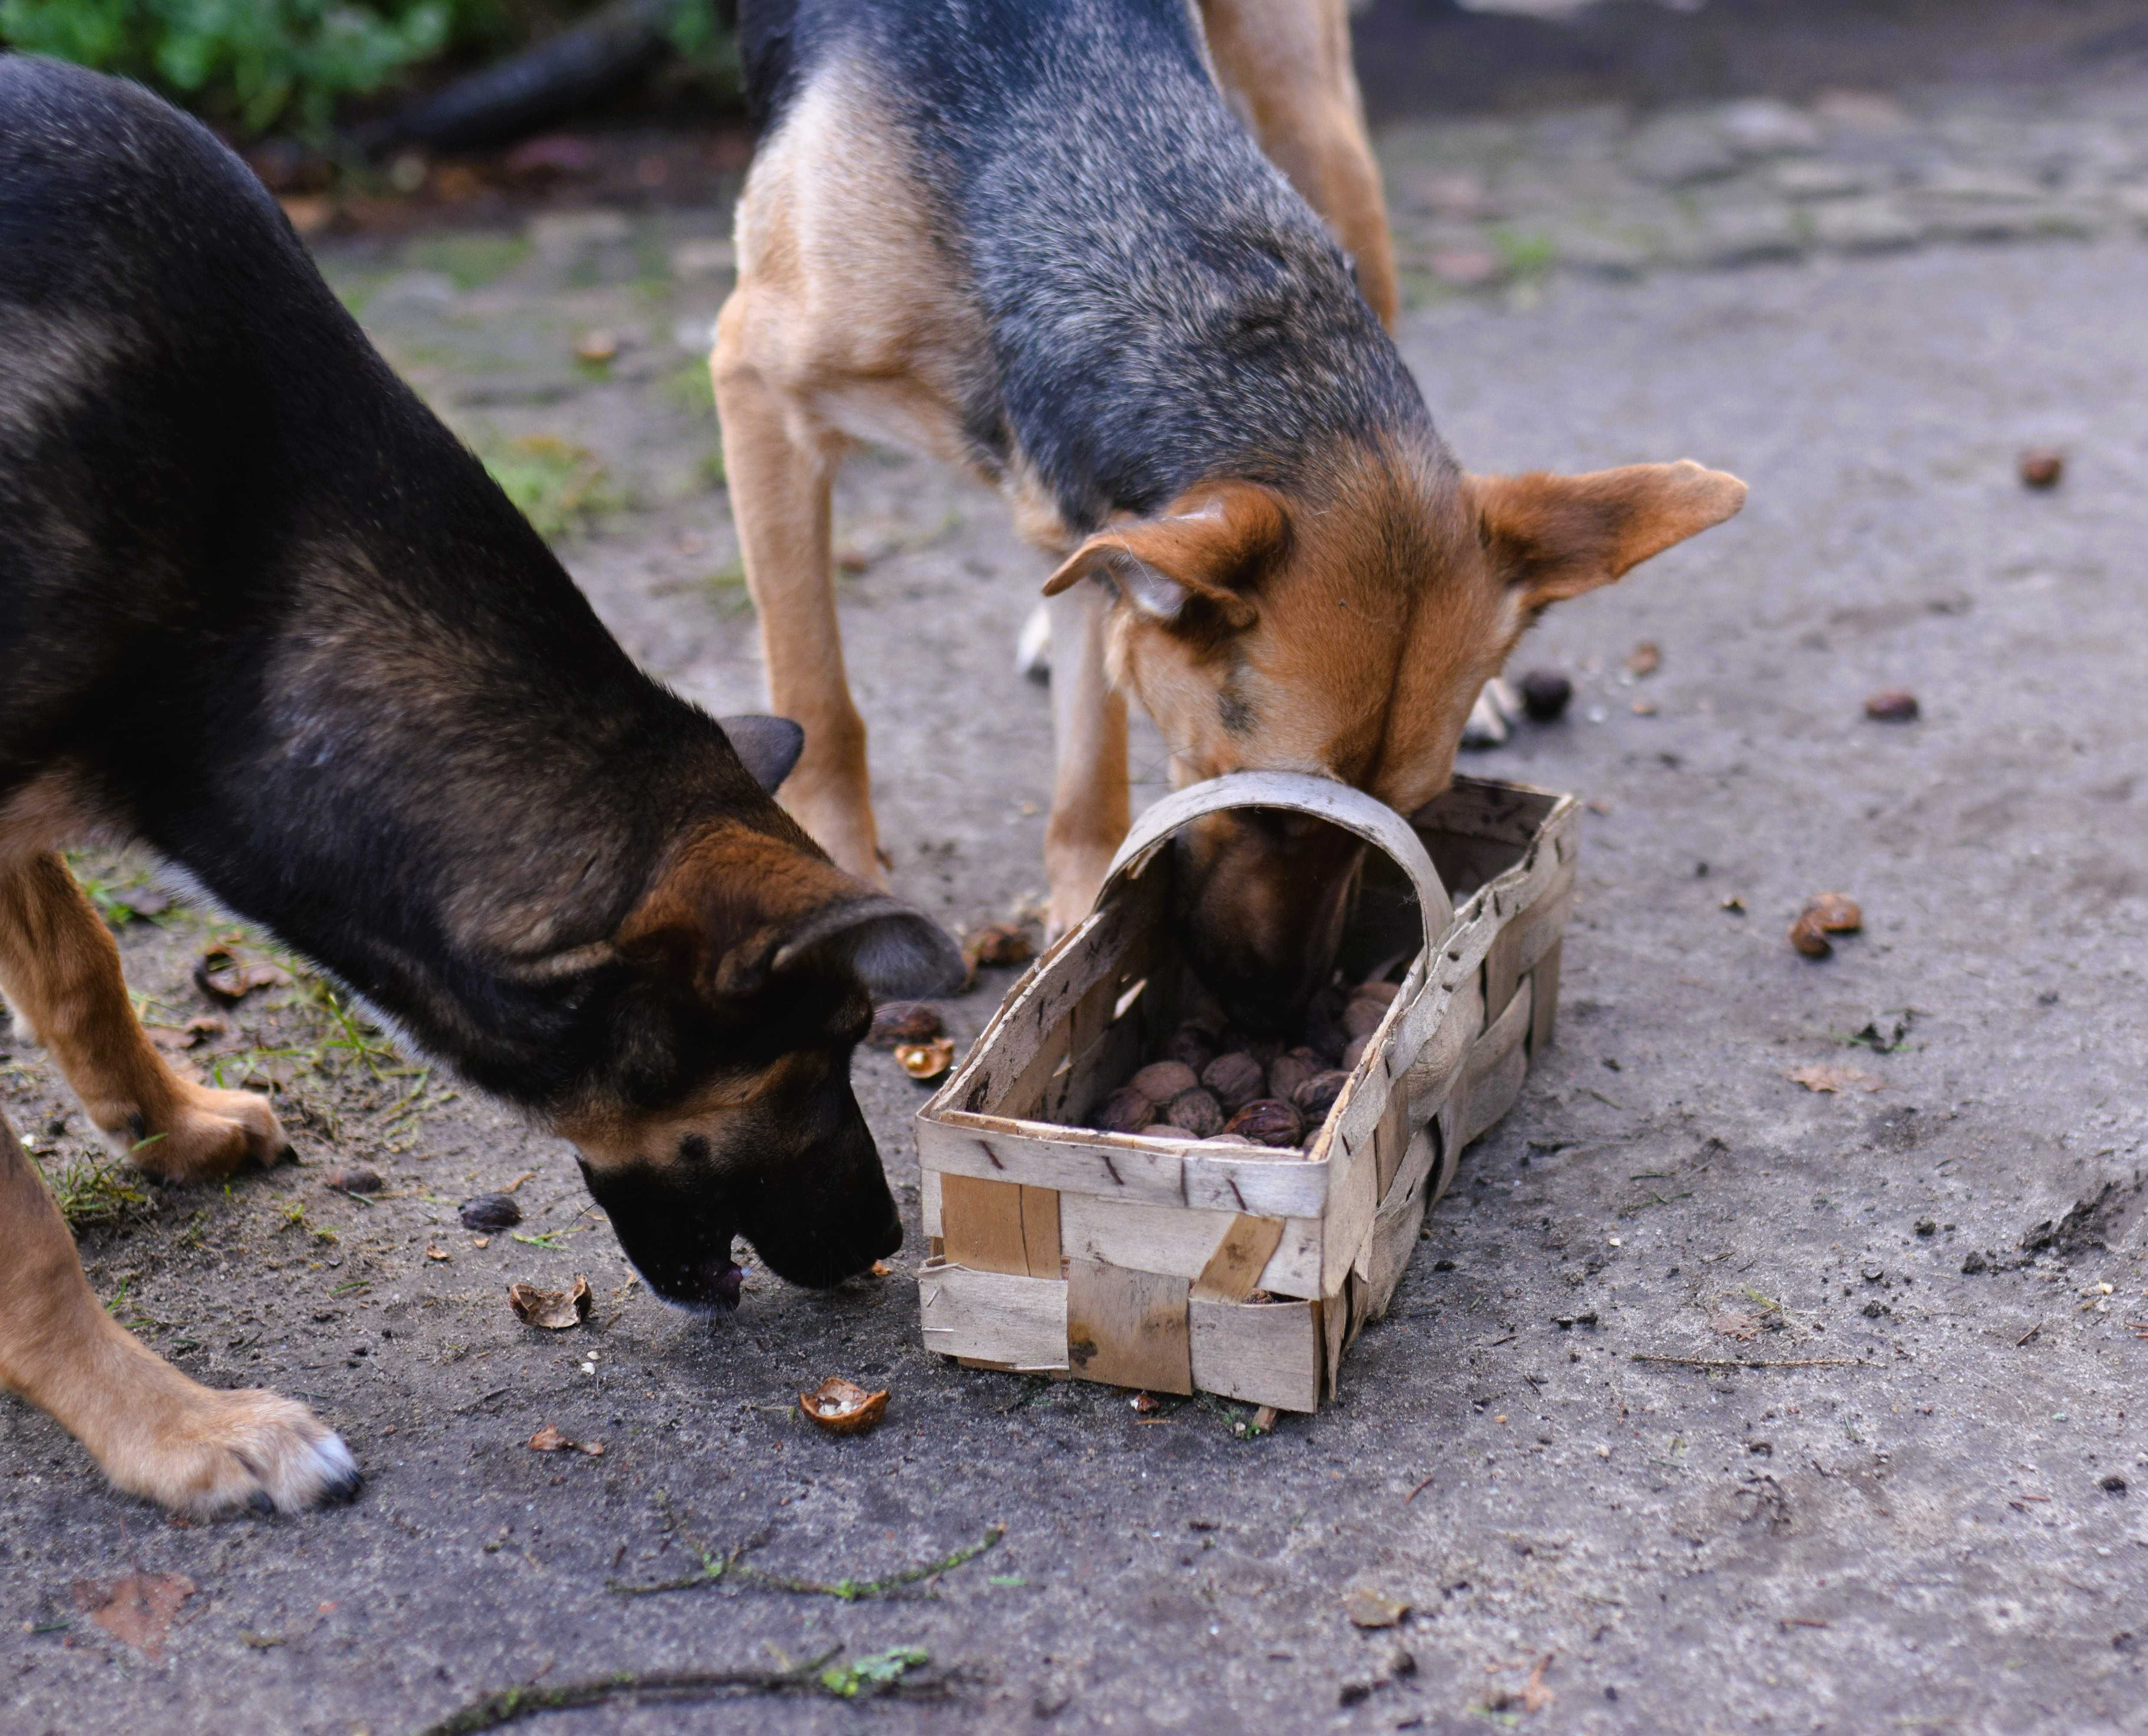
1162	308
277	623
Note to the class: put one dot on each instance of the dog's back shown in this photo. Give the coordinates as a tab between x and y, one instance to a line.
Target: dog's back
1159	306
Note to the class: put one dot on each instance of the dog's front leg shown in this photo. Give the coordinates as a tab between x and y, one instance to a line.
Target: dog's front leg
781	472
154	1431
1089	799
60	966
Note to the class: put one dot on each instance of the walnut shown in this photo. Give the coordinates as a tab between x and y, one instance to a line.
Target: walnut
1192	1045
1268	1122
1196	1112
1317	1095
1237	1079
1287	1072
1161	1081
1125	1110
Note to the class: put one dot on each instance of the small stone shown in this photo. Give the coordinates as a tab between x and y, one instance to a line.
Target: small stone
1766	126
1645	659
355	1180
1125	1110
2043	467
1925	1227
1235	1079
1808	938
2113	1484
1196	1111
490	1212
905	1021
1545	693
1893	705
1315	1098
1161	1081
1974	1264
596	348
1368	1609
1268	1122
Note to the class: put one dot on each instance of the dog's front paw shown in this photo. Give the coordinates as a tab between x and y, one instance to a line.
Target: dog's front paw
220	1453
1493	718
210	1134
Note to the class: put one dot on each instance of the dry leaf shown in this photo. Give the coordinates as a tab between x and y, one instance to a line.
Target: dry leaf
880	1268
136	1610
433	1250
1368	1609
227	976
1000	944
1535	1696
842	1407
925	1062
554	1310
1825	1077
1743	1327
549	1439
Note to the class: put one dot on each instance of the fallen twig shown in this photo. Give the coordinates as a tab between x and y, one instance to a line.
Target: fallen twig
2028	1335
1418	1490
1751	1362
733	1566
880	1675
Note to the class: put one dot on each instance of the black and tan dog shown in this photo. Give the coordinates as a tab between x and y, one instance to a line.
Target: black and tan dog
260	612
1031	236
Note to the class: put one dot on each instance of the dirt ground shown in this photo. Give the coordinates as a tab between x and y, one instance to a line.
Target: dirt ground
1927	1527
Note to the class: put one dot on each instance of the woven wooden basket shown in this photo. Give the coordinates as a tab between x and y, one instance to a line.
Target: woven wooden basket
1169	1264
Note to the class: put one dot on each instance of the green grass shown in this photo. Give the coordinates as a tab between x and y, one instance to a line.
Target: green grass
97	1194
561	488
471	261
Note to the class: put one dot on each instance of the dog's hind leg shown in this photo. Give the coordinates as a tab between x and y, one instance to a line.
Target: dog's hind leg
1089	804
780	489
1286	66
59	966
154	1431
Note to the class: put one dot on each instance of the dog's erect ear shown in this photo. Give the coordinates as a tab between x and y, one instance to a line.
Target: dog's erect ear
769	745
1554	537
896	951
1211	542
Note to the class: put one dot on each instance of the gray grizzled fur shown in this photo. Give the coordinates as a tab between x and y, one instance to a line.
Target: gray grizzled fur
1162	307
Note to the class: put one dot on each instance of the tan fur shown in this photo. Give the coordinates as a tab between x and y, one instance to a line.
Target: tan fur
1285	65
153	1431
1356	638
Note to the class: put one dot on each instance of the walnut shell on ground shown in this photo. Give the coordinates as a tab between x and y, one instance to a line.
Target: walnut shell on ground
1125	1110
1809	938
925	1062
1161	1081
1287	1072
1835	912
1236	1078
1268	1122
905	1021
843	1408
1191	1044
1315	1098
1196	1111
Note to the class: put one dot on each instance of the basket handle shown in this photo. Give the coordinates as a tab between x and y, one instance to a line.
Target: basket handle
1323	798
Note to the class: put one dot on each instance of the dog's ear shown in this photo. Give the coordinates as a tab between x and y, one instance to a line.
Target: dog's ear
1554	537
896	951
769	745
739	908
1210	543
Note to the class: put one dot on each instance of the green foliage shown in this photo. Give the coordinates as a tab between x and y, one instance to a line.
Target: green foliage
559	487
256	64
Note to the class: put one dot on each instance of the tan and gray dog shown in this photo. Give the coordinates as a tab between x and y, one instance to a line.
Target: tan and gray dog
1034	237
